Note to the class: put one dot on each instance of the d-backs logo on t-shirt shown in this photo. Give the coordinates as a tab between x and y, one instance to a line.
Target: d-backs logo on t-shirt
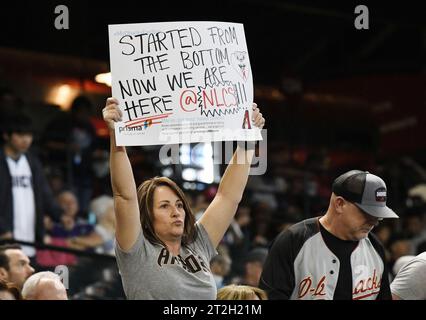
191	263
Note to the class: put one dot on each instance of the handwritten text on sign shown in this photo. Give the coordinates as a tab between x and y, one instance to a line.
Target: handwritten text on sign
180	82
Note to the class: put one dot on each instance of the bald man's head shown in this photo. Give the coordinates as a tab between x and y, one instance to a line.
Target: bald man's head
44	286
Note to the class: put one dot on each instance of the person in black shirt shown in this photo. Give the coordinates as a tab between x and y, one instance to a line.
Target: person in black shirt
334	256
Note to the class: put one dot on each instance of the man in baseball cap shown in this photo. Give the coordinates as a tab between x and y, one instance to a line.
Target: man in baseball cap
365	190
334	256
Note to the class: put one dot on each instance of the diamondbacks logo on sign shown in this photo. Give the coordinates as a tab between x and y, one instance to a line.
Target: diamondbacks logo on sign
381	195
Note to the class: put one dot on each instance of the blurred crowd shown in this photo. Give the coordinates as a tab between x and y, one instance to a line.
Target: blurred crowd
76	211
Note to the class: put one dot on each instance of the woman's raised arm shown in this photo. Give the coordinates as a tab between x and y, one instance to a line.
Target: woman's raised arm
123	183
218	216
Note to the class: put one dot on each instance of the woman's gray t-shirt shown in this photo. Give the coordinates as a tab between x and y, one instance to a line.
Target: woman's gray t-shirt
149	271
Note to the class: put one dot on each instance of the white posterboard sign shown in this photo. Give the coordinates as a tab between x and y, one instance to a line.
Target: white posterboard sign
181	82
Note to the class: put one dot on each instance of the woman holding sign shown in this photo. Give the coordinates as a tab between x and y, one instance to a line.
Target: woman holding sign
162	253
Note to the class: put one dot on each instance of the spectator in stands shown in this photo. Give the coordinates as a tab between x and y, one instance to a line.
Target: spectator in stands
410	282
333	257
44	285
72	232
162	252
237	239
241	292
414	226
399	246
9	103
77	232
200	205
253	267
262	219
220	266
71	141
384	233
14	265
56	181
103	208
24	191
9	292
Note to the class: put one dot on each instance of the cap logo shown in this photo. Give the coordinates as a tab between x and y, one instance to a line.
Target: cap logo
381	195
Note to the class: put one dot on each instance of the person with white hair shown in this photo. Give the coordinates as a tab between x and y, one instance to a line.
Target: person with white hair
44	285
103	208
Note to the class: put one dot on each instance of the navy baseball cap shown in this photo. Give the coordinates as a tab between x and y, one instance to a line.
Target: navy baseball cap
367	191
